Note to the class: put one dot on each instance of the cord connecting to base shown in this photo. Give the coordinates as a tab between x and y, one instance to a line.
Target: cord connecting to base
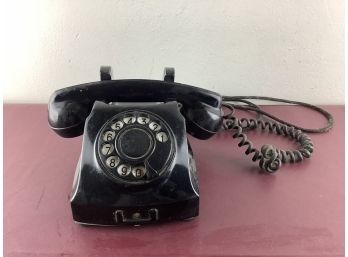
271	158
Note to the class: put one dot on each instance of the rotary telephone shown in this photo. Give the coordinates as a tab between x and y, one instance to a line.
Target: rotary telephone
136	164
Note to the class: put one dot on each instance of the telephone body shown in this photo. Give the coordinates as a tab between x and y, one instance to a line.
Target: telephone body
136	164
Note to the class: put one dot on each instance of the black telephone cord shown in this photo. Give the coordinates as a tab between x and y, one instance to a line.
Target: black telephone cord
271	158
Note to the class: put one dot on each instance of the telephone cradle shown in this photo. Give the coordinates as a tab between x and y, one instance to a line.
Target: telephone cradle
136	165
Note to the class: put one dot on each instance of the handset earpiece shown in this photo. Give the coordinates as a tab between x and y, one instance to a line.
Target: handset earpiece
67	115
202	120
68	108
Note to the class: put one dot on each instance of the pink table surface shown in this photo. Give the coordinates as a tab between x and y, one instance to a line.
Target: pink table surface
297	212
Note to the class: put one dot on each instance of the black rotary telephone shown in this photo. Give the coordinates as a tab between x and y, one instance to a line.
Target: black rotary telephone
136	164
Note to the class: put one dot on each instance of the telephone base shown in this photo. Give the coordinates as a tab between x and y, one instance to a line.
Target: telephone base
103	195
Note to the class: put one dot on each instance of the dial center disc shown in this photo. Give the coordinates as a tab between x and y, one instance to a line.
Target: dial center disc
135	143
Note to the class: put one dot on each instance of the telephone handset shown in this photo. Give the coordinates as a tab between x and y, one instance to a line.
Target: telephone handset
69	107
136	164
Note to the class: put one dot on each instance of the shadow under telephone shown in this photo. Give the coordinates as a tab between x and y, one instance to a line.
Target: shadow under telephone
136	164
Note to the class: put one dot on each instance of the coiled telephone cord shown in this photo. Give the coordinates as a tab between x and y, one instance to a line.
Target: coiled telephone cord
270	157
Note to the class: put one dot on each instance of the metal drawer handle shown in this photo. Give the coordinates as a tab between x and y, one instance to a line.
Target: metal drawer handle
152	215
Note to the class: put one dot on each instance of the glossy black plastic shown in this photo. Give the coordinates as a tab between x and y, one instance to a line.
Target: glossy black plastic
69	107
97	199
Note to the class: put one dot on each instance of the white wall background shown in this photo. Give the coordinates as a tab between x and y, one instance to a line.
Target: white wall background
283	48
